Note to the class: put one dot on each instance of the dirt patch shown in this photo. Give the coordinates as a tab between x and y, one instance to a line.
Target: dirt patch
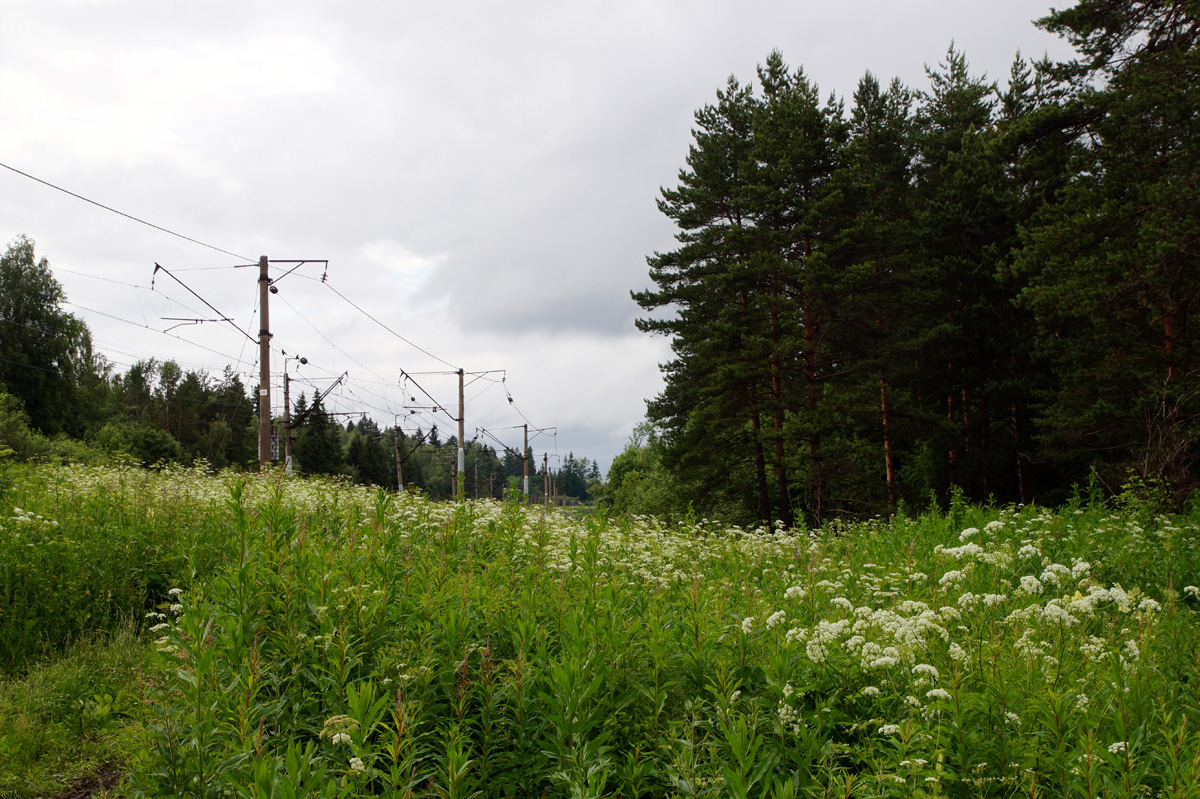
84	787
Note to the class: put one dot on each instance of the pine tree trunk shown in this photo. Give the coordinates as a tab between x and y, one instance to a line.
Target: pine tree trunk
1171	338
889	456
1018	436
952	416
760	460
814	436
781	479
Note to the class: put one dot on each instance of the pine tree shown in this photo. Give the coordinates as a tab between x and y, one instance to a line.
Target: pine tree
1112	266
318	447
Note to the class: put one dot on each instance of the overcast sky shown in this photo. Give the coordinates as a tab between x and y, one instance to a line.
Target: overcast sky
481	176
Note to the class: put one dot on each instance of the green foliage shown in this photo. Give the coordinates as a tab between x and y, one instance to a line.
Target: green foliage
639	483
146	444
15	434
44	351
70	719
324	639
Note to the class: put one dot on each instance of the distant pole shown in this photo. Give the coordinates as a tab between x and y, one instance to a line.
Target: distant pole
264	365
399	470
546	477
462	456
287	423
476	478
525	460
287	413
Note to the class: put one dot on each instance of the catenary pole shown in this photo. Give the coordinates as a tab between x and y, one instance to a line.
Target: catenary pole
264	365
287	423
462	456
525	460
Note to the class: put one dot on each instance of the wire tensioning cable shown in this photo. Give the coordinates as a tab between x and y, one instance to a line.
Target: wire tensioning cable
224	318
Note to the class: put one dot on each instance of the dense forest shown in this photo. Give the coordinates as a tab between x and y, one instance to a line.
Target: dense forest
60	398
972	288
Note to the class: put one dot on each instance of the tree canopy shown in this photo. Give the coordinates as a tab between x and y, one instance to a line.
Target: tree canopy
970	288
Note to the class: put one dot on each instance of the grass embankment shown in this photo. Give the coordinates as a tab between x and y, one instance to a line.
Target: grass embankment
317	639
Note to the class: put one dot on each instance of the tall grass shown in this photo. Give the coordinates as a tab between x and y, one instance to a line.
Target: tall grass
316	639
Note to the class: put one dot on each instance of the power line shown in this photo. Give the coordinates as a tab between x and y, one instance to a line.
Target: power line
156	330
385	327
304	319
122	213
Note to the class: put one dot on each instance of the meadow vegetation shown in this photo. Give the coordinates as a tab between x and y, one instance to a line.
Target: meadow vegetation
230	635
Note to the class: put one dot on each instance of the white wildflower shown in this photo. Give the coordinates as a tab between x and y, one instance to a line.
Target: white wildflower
1118	748
870	690
937	693
889	729
748	625
925	668
967	534
775	619
952	578
356	764
1030	585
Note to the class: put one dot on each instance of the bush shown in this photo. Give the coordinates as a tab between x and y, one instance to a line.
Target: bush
15	433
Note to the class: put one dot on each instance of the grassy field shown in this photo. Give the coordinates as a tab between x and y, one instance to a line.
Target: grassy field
225	635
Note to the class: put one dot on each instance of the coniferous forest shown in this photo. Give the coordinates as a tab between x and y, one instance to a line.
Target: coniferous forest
978	288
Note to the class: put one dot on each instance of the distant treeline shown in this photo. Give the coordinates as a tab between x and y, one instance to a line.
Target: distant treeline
964	289
59	398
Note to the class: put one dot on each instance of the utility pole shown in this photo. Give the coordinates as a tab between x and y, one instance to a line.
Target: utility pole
525	460
264	365
476	474
462	456
399	470
287	423
287	414
546	478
